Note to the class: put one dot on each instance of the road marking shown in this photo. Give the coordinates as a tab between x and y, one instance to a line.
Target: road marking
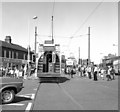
29	106
26	96
33	96
15	104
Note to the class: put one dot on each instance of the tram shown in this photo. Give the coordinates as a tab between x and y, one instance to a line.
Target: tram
49	62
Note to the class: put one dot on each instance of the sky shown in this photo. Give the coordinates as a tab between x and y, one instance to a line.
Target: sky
71	19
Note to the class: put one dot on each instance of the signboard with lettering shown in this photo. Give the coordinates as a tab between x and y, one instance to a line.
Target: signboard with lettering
69	62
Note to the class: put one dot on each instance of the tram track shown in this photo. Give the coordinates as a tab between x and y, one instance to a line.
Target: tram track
63	92
70	97
58	93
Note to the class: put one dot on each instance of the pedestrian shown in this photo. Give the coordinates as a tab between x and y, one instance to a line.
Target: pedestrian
3	72
102	73
112	72
11	72
82	71
25	71
108	74
79	71
6	71
2	69
95	73
72	72
21	72
99	72
89	72
16	71
29	70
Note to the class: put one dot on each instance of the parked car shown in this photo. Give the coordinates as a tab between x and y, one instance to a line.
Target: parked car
9	87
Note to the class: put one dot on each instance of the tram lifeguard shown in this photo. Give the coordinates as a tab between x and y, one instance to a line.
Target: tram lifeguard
49	60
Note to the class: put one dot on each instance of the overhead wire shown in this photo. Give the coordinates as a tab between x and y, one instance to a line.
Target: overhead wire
93	11
87	18
73	36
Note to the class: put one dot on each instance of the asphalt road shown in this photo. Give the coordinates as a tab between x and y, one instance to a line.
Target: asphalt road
78	94
74	94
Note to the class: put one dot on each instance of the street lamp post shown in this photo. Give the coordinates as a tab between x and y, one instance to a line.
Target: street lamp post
35	17
28	58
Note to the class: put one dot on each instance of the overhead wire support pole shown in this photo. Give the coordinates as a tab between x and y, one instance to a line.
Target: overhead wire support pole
52	31
88	45
35	38
79	57
52	20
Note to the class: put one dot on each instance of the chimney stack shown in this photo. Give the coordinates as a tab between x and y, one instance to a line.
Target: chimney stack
8	39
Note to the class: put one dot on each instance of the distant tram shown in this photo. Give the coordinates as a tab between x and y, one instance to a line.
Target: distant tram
49	62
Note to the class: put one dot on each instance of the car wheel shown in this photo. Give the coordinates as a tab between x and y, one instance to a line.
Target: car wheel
8	96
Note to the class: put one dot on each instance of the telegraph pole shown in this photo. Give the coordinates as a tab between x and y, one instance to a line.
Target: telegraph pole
88	45
52	31
35	51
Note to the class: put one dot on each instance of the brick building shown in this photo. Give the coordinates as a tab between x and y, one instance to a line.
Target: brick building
12	54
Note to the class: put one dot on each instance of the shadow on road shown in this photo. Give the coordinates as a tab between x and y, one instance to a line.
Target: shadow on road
19	99
53	79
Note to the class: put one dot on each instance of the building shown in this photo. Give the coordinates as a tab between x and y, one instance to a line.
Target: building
112	61
12	54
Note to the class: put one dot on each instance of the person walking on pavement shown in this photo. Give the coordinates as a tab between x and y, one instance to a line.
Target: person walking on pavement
82	71
102	73
21	72
112	72
89	72
95	73
72	72
16	71
79	71
108	74
25	71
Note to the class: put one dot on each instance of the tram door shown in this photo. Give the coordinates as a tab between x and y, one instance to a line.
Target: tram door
48	65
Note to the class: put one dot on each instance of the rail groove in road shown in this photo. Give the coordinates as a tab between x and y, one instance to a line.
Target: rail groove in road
72	99
68	96
59	95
